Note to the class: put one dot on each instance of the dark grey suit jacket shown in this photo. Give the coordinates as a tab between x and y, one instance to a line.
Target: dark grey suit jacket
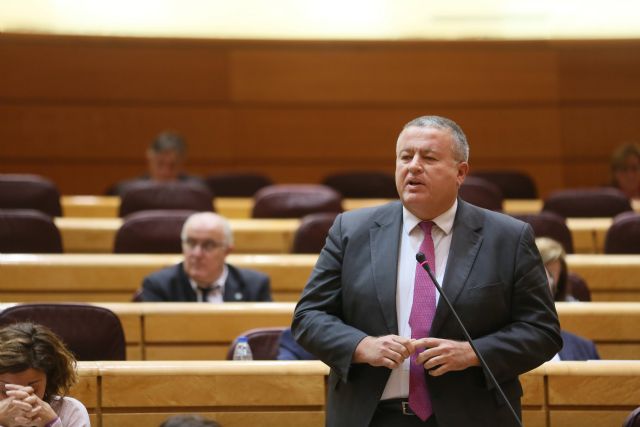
172	284
494	278
577	348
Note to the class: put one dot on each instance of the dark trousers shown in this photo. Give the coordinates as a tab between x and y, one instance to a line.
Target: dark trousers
389	414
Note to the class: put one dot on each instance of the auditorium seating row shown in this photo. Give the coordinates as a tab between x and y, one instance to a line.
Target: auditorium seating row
288	394
241	207
96	235
112	277
193	331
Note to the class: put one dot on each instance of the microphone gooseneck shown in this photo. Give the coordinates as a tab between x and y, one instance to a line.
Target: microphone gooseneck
422	260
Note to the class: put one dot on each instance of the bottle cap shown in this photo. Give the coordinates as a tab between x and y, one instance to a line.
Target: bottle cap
243	339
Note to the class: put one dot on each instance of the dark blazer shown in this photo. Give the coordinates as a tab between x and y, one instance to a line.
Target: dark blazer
119	188
291	350
577	348
172	284
495	280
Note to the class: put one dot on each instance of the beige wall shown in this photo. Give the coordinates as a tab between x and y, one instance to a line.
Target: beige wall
74	107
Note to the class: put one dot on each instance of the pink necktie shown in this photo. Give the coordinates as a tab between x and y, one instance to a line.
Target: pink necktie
422	311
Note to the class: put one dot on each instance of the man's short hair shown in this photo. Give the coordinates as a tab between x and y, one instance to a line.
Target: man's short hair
226	227
188	421
169	141
461	146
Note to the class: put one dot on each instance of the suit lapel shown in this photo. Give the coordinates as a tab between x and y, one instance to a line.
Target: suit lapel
465	244
186	291
233	286
385	243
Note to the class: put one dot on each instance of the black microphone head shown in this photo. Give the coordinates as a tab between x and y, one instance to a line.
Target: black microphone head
420	257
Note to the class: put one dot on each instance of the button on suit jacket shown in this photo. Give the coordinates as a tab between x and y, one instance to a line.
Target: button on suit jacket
495	280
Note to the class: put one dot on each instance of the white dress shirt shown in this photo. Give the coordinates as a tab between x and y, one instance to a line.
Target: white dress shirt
410	241
215	297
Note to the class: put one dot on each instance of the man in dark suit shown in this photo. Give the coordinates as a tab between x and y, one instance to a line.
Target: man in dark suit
357	311
204	275
165	163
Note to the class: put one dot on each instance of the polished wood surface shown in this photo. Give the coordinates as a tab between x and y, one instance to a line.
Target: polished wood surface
240	207
110	277
290	394
96	235
82	110
143	394
191	331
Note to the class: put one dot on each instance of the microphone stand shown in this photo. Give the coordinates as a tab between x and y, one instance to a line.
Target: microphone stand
422	260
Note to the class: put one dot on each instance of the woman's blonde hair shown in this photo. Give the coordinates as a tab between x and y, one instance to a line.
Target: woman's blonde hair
29	345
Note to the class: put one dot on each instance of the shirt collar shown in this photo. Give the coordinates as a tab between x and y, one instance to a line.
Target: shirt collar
444	221
219	281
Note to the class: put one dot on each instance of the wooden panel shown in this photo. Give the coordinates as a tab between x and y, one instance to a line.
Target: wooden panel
170	323
594	389
595	321
618	351
534	418
227	419
97	235
124	69
184	351
576	418
533	388
598	70
343	73
191	384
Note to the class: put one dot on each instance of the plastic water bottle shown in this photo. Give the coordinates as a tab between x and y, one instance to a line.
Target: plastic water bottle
242	350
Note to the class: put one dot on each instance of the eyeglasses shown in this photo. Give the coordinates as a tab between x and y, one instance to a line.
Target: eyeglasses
205	245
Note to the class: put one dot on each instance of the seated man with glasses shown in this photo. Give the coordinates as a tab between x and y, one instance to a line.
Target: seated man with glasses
203	275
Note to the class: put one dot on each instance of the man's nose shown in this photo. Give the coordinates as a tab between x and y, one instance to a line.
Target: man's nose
415	165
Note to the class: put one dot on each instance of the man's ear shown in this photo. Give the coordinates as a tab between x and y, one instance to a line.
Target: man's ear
463	170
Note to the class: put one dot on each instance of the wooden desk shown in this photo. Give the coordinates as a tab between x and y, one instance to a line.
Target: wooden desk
236	394
240	207
188	331
96	235
272	393
110	277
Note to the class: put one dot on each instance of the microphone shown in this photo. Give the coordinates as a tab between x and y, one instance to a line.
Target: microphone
422	260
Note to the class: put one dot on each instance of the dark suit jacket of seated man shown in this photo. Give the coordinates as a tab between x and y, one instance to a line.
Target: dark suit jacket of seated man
206	242
355	313
172	284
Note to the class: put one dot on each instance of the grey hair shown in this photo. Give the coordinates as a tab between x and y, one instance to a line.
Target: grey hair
169	141
461	146
209	217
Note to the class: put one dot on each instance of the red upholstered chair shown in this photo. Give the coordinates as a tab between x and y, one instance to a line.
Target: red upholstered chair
578	287
90	332
549	224
587	202
481	192
363	185
311	235
175	195
633	420
512	184
264	343
236	184
623	237
151	232
21	191
295	201
28	231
